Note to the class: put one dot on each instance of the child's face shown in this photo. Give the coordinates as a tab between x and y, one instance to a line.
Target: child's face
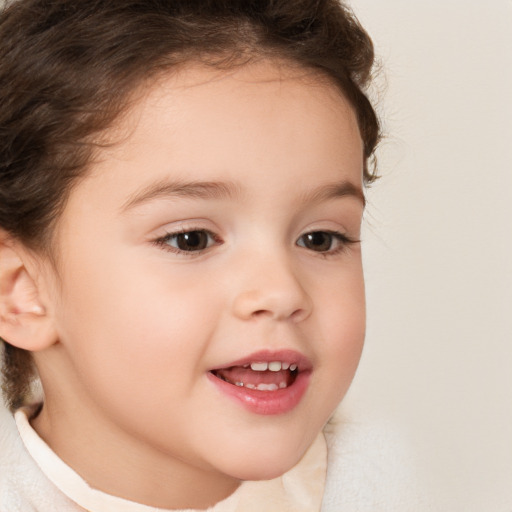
248	163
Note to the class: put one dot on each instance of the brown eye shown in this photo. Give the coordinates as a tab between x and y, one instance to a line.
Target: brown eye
320	241
190	241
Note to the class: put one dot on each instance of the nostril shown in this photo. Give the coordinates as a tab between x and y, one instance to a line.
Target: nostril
298	314
261	312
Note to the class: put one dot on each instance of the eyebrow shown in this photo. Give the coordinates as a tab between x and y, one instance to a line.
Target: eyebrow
190	189
224	189
335	191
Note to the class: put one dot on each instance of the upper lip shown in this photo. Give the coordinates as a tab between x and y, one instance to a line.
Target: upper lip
261	356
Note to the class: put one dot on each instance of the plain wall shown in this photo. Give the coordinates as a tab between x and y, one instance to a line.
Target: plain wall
438	249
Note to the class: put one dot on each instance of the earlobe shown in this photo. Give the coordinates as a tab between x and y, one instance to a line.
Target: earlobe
24	321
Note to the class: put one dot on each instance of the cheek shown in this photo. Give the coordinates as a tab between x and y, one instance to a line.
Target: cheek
342	321
344	343
129	330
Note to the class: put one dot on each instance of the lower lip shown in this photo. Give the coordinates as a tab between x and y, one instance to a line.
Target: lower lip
279	401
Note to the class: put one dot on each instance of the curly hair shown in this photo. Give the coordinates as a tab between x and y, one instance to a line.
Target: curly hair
68	67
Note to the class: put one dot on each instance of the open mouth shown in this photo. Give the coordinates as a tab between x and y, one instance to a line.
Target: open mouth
260	375
266	382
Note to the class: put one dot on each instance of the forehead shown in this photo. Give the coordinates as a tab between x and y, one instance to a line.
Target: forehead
244	126
180	113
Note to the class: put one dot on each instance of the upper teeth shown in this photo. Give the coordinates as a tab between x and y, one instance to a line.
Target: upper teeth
273	366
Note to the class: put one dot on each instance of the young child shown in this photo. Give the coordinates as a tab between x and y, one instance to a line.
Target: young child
181	193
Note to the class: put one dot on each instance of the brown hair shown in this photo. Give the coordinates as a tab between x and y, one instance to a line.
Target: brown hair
67	68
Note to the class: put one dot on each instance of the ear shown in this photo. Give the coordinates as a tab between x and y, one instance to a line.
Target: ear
24	322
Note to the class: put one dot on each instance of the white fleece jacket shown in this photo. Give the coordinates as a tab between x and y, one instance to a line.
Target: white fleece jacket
365	473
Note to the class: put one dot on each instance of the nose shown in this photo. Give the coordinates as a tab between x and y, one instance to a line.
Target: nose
271	288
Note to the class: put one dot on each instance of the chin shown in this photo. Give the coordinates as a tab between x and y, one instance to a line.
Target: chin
264	466
263	473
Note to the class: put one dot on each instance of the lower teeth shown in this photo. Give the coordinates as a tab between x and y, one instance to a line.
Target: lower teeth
262	387
259	387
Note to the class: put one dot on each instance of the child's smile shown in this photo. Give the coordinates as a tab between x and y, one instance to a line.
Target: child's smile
265	382
209	300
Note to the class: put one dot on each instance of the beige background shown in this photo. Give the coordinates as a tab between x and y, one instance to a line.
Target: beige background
438	244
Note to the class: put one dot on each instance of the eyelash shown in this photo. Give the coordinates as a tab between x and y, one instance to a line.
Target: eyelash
343	242
163	241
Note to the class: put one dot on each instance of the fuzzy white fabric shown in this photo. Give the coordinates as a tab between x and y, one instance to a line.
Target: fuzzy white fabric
365	473
371	468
